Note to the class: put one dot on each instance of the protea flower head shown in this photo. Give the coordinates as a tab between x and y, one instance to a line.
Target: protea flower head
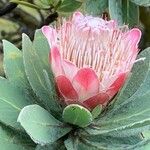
91	58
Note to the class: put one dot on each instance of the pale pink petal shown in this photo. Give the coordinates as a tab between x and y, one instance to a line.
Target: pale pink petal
51	35
118	83
86	83
55	61
69	69
133	36
112	24
76	17
65	88
92	102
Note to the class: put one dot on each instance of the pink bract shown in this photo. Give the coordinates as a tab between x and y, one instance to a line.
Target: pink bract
91	58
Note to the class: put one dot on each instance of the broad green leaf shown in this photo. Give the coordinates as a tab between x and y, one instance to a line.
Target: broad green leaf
13	65
96	111
145	145
10	140
34	69
12	100
69	5
133	109
50	85
54	146
77	115
115	10
95	7
42	50
133	130
42	127
7	26
26	4
72	143
14	69
33	15
124	12
101	143
145	3
130	13
43	3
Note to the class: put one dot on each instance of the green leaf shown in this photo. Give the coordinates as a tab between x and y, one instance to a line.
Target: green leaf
124	12
14	69
42	127
96	111
10	140
72	143
77	115
7	26
24	3
43	3
133	109
115	10
69	6
13	65
146	144
130	13
145	3
58	145
95	7
34	67
12	100
101	142
42	50
131	131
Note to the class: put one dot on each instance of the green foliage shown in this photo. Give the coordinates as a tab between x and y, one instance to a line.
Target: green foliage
77	115
24	3
7	26
115	10
145	3
69	5
11	140
130	13
43	3
95	7
54	146
13	60
101	143
96	111
124	12
12	100
42	127
34	68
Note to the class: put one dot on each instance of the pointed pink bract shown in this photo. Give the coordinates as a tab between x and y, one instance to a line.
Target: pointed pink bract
66	89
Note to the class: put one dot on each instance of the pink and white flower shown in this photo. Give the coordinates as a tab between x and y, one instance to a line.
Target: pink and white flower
91	58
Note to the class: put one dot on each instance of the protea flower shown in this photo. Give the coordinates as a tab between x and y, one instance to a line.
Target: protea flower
91	58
